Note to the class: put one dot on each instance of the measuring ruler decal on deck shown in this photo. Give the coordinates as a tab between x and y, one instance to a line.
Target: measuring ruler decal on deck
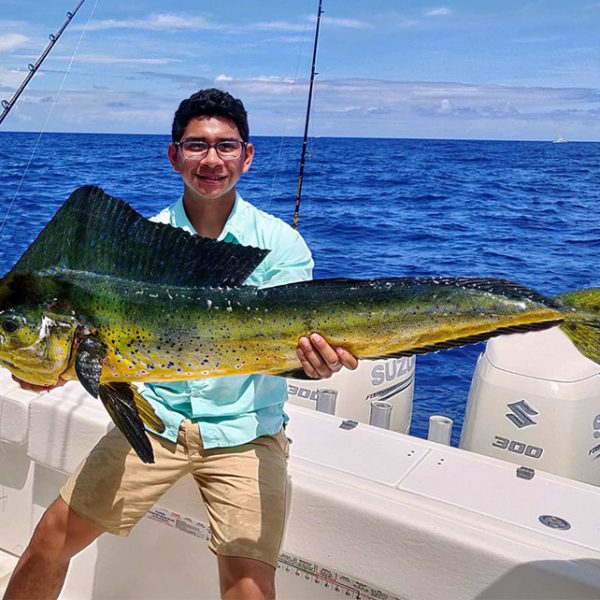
336	581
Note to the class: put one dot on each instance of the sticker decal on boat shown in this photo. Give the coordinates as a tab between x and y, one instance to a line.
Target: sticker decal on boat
341	583
392	369
521	413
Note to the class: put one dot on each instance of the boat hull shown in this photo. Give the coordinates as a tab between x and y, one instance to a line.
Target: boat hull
372	512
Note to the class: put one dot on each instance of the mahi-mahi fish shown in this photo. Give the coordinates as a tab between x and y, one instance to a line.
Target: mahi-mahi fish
109	298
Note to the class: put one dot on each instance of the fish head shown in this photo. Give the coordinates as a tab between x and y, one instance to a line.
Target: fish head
36	332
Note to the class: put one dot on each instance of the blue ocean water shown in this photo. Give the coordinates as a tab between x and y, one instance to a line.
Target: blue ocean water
528	211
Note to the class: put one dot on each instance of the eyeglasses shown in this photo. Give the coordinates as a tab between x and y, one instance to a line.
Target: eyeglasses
197	150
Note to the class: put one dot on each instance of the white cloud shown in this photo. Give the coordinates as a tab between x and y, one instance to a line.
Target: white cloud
10	79
301	26
159	22
275	78
174	22
393	20
288	39
345	107
277	26
143	116
269	85
539	39
345	23
10	41
441	11
445	106
121	60
381	99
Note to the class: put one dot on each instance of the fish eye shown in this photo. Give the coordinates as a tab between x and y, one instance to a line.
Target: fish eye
11	323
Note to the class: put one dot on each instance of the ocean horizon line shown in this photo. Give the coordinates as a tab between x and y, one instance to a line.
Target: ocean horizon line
318	137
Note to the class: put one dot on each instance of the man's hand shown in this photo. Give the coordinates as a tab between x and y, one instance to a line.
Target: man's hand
320	360
32	387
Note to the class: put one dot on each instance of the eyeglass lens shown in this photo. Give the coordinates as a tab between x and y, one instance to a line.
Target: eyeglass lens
227	150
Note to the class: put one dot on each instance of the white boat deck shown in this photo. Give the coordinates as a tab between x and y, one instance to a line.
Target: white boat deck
373	514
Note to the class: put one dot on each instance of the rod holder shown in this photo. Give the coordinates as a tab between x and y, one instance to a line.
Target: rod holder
440	429
381	414
326	400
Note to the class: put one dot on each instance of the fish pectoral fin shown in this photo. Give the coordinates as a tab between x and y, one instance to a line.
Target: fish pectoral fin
125	405
119	400
130	393
89	360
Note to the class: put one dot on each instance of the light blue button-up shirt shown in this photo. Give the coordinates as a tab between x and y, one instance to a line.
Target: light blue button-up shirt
234	410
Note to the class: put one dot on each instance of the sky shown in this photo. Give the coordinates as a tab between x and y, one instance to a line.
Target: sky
464	69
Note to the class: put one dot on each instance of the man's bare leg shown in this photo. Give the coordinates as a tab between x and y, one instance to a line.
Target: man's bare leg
41	570
245	578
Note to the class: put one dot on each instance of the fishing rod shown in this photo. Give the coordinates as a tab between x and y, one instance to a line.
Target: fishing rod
8	104
305	141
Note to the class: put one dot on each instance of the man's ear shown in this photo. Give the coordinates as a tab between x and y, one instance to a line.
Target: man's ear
173	157
248	156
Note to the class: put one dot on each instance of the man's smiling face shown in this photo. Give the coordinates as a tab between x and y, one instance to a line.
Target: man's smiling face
210	178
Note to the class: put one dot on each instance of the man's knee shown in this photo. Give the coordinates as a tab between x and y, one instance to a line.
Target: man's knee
246	578
61	532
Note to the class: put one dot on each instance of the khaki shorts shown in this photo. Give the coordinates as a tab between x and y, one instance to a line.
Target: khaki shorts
243	487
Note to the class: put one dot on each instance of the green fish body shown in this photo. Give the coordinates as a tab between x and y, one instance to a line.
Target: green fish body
109	298
162	333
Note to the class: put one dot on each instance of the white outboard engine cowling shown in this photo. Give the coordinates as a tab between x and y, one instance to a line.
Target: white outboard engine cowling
535	401
379	392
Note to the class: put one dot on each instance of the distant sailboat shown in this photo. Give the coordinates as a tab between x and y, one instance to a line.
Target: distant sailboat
559	140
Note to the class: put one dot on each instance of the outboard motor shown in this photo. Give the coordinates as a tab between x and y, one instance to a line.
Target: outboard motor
379	392
535	401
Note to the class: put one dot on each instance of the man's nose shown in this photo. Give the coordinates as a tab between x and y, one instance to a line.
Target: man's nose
212	157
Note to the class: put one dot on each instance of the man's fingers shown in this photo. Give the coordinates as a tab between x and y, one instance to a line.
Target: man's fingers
32	387
319	359
308	368
347	359
314	359
311	363
326	353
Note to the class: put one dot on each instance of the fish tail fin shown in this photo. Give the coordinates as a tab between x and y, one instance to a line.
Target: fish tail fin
582	320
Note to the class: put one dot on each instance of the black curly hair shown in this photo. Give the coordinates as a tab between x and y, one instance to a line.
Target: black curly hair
210	103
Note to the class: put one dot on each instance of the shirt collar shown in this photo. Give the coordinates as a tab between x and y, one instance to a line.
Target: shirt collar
179	218
234	226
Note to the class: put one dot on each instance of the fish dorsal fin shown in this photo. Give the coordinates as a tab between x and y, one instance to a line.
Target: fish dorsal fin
412	285
95	232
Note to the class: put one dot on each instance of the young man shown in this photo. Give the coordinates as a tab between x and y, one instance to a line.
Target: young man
218	430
